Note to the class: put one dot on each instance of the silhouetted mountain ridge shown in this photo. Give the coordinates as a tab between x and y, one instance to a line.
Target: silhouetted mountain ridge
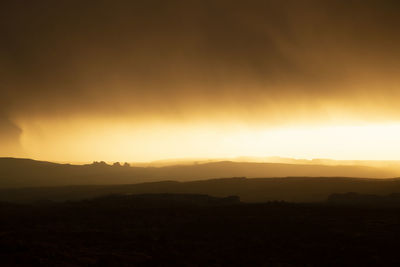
31	173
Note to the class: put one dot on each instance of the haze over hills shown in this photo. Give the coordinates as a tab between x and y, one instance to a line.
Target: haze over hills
389	164
31	173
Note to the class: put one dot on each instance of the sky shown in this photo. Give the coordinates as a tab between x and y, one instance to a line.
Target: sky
148	80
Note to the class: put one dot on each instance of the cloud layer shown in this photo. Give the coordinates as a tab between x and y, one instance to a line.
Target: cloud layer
259	62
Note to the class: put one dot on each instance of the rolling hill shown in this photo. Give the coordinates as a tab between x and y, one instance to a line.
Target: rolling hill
31	173
295	189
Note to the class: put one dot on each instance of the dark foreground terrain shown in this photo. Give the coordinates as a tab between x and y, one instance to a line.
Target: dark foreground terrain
197	230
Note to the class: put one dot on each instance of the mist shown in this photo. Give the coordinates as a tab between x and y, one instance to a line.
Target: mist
260	64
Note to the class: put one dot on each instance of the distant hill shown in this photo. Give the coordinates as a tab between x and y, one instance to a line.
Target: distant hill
30	173
393	165
249	190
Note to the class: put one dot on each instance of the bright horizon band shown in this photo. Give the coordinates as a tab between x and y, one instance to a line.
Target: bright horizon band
157	141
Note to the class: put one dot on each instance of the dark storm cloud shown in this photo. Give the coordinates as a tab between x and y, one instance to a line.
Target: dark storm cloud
161	57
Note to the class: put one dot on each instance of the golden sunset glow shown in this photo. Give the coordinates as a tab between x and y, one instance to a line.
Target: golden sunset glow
199	132
149	142
213	80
